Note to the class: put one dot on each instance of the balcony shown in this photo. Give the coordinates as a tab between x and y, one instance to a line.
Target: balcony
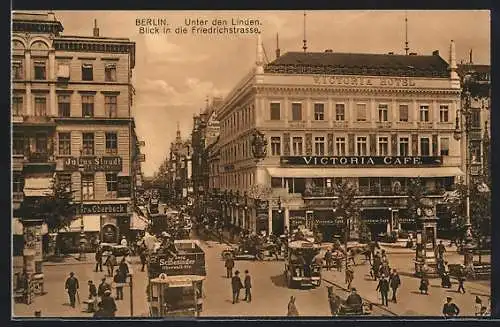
39	158
383	124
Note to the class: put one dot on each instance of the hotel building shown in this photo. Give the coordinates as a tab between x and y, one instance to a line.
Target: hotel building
72	122
376	120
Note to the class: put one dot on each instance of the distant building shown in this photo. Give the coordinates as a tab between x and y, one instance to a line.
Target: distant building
72	100
376	120
179	169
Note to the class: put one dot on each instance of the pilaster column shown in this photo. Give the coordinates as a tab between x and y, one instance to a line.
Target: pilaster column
27	74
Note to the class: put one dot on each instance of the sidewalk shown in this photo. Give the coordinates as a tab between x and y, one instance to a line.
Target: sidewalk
69	259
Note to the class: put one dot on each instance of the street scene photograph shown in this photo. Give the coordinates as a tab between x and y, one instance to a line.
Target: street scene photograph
245	164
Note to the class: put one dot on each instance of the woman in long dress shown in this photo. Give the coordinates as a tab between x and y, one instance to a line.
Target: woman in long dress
292	309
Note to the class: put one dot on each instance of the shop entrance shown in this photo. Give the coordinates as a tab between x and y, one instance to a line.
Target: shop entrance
377	221
278	222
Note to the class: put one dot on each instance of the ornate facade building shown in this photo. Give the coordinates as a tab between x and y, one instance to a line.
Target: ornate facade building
293	128
71	109
180	170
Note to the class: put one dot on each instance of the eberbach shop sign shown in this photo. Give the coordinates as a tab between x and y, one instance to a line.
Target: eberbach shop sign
361	161
94	163
112	208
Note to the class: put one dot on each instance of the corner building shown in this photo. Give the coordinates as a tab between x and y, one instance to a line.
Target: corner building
374	119
81	87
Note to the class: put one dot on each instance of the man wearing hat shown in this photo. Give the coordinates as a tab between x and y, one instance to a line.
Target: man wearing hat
236	285
383	288
72	286
103	286
354	301
450	309
108	303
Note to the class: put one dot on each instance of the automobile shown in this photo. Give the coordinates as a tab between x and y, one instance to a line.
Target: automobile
116	249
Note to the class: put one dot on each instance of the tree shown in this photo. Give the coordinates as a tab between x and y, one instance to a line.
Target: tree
56	209
347	205
416	192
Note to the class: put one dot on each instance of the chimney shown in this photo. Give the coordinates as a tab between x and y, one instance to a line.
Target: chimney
259	62
435	53
455	80
278	52
328	51
96	29
470	57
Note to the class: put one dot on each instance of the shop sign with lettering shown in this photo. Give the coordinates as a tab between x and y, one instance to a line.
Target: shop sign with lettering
375	221
364	81
123	186
100	208
358	161
94	163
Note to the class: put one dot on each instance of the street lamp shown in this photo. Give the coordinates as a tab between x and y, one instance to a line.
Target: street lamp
466	112
246	221
83	240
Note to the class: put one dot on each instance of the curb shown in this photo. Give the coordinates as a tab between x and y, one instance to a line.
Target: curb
365	299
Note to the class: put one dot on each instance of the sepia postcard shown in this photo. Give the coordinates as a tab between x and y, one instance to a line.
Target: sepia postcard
250	164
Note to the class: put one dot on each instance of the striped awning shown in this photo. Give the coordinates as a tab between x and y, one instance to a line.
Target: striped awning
38	186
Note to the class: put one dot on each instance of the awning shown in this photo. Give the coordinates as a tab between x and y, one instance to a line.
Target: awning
90	224
364	172
138	222
38	186
17	227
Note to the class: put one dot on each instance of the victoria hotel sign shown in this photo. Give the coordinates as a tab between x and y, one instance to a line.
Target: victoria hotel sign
363	81
361	161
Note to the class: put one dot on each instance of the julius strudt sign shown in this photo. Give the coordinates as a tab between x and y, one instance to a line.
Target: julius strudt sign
94	163
358	161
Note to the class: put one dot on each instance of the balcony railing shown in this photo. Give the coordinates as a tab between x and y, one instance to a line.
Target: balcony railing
369	191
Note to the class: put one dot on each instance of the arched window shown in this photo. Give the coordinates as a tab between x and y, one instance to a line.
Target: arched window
39	45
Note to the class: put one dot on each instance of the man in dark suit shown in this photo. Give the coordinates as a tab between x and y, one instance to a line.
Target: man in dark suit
450	309
229	266
248	286
72	286
108	304
236	286
98	260
394	282
383	288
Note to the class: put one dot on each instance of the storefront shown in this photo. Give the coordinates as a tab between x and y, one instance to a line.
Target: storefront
377	221
329	224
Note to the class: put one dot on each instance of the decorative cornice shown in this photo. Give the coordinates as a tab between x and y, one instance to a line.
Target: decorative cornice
93	120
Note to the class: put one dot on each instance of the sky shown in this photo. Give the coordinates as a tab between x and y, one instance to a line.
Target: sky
175	73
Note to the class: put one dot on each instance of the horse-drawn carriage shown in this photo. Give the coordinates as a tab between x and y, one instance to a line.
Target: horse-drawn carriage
252	248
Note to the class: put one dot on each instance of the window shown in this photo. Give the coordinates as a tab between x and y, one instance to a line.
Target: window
18	144
383	111
296	111
87	72
476	118
443	113
404	146
64	181
424	113
361	146
319	146
17	183
17	105
111	143
445	146
111	182
87	105
475	151
339	112
65	144
424	146
40	106
40	70
275	111
64	105
403	112
17	70
361	112
88	186
297	146
110	73
88	144
110	106
275	146
340	146
41	143
383	146
319	111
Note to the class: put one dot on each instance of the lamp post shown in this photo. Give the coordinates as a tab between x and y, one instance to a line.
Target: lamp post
246	220
280	210
83	240
466	113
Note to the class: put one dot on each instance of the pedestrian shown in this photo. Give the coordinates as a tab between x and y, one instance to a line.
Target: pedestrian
119	280
450	309
143	257
100	313
108	304
461	280
383	288
93	296
349	276
352	254
124	242
72	286
328	259
292	308
441	249
124	267
424	284
478	304
229	266
248	287
103	286
394	282
111	263
236	286
98	259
